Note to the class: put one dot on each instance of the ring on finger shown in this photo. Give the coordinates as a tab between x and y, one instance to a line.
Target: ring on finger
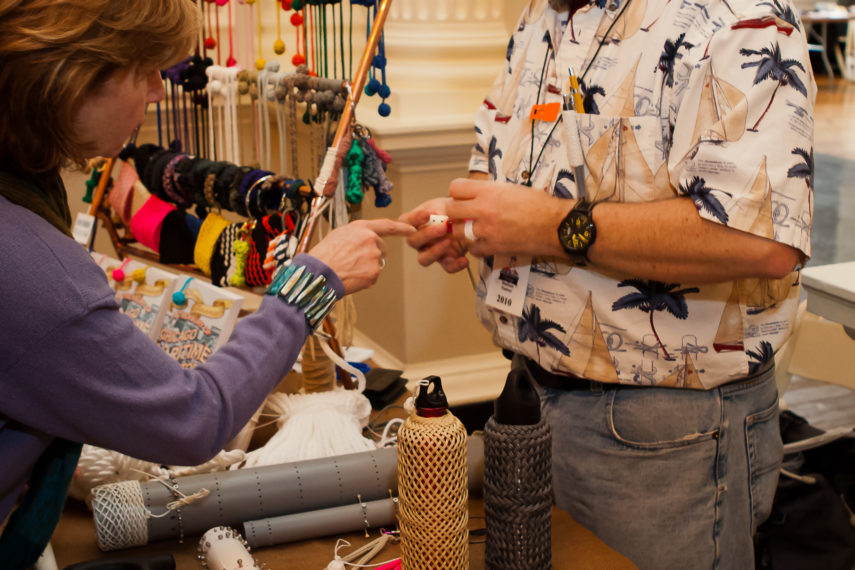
468	232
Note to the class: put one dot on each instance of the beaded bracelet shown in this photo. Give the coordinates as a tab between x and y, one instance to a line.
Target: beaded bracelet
298	286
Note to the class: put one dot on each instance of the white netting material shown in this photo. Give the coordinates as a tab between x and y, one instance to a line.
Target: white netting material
120	515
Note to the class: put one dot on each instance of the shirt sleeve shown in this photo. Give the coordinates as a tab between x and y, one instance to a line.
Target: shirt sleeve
94	377
742	147
497	102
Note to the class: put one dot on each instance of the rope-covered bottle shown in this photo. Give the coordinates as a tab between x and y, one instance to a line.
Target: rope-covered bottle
518	480
432	484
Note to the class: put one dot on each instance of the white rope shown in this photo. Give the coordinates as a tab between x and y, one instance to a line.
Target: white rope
371	549
320	424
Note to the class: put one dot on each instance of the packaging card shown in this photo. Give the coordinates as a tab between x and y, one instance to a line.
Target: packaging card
144	292
192	331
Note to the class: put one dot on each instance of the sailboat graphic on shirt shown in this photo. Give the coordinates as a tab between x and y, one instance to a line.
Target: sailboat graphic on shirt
589	352
618	170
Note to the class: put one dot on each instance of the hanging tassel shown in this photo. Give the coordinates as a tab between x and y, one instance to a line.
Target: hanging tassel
353	161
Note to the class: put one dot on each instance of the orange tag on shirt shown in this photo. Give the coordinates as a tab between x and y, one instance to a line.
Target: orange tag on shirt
547	112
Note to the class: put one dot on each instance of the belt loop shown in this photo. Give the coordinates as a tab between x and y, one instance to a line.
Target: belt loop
596	388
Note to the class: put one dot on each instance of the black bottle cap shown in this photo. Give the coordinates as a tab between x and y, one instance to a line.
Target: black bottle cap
518	404
431	400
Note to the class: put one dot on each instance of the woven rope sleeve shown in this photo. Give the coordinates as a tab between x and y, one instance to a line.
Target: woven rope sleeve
518	495
433	493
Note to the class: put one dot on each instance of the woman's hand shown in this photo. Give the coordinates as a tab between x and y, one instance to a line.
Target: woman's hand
356	251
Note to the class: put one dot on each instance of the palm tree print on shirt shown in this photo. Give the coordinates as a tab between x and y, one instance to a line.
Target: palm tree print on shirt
771	65
783	12
763	354
702	196
669	56
653	296
803	169
531	327
492	154
588	94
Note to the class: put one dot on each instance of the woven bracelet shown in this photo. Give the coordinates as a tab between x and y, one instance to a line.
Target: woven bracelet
298	286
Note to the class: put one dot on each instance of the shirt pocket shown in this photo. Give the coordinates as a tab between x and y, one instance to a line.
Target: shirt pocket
625	157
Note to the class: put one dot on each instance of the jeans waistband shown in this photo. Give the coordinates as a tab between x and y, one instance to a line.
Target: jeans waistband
570	382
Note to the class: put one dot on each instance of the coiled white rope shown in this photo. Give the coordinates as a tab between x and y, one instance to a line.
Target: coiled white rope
320	424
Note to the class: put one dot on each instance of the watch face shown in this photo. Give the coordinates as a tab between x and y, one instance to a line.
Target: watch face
577	232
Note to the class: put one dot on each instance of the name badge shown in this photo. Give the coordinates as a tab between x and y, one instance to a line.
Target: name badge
507	284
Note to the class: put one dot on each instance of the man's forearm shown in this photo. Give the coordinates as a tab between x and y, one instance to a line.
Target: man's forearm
668	241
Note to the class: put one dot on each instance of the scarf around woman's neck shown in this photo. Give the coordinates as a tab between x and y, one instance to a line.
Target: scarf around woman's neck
42	194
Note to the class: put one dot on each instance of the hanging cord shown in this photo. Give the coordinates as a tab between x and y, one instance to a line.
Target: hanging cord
230	62
259	63
367	551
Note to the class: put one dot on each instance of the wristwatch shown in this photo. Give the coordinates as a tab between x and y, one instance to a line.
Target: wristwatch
577	232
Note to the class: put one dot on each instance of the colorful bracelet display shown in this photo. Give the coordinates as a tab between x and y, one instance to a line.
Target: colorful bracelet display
298	286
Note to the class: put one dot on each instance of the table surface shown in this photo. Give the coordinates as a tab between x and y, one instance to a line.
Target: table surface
811	17
573	546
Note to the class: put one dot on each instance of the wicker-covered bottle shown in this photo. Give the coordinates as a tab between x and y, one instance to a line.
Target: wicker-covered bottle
432	484
518	480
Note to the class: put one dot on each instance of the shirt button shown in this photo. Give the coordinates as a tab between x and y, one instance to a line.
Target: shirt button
525	174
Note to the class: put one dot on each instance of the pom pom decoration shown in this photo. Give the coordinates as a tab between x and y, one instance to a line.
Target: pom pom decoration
119	274
298	59
372	86
278	47
384	109
179	298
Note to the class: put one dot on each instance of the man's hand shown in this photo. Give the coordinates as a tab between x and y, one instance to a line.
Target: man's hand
432	241
506	218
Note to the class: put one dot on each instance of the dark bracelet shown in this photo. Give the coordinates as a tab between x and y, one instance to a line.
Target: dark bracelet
297	285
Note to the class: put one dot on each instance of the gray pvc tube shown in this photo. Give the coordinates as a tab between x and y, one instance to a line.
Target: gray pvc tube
251	494
256	493
302	526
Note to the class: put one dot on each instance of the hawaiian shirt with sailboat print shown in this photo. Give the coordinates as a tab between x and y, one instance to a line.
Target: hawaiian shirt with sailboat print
709	99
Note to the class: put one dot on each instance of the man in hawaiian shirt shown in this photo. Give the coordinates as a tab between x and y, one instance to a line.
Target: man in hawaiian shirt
653	334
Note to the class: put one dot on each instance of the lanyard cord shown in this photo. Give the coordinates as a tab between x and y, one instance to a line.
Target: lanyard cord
581	80
537	102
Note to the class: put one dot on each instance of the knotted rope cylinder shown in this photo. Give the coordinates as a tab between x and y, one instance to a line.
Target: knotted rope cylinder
433	494
518	495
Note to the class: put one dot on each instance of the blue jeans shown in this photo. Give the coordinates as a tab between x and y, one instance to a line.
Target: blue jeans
671	479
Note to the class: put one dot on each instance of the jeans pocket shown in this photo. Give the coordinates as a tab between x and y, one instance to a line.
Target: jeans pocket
765	454
654	418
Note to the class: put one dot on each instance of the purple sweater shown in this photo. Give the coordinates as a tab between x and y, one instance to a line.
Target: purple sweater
72	365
